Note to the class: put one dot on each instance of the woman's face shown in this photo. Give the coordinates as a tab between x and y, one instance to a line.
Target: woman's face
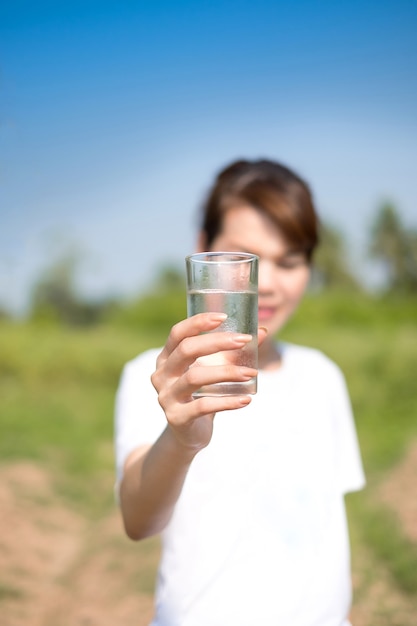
283	272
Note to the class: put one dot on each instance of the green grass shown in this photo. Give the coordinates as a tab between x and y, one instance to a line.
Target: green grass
7	592
381	532
57	387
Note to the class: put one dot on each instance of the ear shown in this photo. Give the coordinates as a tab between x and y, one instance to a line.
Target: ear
201	242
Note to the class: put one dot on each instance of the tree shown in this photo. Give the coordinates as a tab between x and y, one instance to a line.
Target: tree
168	278
396	248
159	307
331	265
55	297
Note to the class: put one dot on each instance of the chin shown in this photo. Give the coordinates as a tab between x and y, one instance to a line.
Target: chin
274	326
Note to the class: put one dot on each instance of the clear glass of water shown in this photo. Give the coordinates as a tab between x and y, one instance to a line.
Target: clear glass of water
226	282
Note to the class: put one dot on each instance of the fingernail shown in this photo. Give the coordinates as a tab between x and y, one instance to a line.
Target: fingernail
244	400
218	316
242	338
247	375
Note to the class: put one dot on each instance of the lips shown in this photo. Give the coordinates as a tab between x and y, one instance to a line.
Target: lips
265	312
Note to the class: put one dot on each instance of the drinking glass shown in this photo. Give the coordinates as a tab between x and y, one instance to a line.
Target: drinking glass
226	282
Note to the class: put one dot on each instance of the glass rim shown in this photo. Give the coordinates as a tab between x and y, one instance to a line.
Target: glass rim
239	257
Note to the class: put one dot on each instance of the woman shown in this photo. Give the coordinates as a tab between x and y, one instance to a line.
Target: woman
251	504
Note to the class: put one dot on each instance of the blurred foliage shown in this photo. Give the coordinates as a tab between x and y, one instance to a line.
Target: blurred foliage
55	298
157	309
331	263
396	247
4	313
382	532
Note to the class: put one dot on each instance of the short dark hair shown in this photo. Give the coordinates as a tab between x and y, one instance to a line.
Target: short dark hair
270	188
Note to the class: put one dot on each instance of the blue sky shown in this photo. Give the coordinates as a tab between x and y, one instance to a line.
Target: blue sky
115	116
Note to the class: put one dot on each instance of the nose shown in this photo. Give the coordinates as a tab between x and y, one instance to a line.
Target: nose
266	276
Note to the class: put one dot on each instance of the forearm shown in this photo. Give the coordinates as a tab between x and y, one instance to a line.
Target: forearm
152	482
154	476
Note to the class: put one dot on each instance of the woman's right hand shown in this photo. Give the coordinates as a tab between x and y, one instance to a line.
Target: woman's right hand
191	419
154	475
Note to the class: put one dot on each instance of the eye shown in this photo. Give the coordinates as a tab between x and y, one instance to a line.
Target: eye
291	262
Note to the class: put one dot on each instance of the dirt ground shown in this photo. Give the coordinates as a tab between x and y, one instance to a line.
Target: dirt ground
56	567
59	569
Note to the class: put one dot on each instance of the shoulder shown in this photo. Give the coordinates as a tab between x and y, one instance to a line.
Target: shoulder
135	384
138	370
310	359
143	361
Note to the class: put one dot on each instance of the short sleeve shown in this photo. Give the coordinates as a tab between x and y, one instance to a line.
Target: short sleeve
139	418
348	458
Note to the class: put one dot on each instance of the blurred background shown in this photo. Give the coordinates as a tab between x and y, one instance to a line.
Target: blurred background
114	119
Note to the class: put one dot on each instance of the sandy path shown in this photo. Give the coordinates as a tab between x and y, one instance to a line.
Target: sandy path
58	569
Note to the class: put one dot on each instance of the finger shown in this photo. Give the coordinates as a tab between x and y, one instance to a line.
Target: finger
193	348
190	349
262	334
191	327
207	405
199	376
185	413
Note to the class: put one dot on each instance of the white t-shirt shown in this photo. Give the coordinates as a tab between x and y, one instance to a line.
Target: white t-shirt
259	534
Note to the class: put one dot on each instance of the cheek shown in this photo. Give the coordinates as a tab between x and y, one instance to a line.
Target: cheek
296	285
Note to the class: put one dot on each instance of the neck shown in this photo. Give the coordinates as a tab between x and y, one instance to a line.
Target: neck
269	356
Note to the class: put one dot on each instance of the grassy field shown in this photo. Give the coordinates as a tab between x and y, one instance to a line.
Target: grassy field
57	391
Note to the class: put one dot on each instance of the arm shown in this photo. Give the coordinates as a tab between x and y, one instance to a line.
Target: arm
154	475
152	482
